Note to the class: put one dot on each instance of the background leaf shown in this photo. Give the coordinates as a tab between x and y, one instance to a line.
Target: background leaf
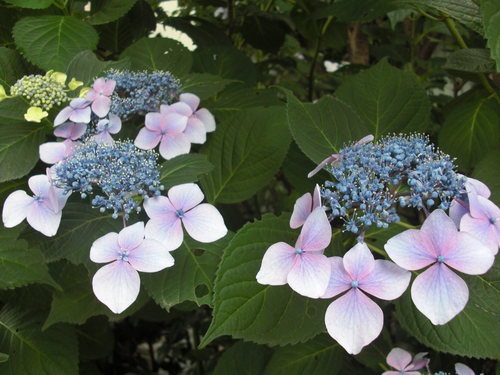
110	11
31	4
246	151
475	60
183	169
260	313
51	42
204	85
11	67
243	358
491	23
487	171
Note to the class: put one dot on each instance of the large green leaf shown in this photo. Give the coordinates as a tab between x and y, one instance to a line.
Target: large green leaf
110	11
472	332
387	98
322	128
471	127
33	352
246	151
159	54
85	66
11	67
491	23
192	276
487	171
183	169
321	355
19	140
204	85
474	60
19	264
50	42
243	308
31	4
243	358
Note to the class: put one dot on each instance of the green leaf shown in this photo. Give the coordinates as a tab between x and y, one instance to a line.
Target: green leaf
19	264
110	11
4	357
472	332
33	352
471	127
358	10
31	4
243	358
387	98
191	278
487	171
19	140
475	60
265	31
322	128
246	151
51	42
159	54
11	67
204	85
95	339
263	314
183	169
491	23
85	66
321	355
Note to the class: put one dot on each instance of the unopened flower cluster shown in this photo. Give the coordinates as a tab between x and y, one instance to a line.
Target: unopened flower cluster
370	181
121	176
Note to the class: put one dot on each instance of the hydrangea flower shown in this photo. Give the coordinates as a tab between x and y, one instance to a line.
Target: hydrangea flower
99	96
438	292
401	361
77	111
304	206
200	121
353	319
182	207
42	210
54	152
460	205
71	130
303	267
117	284
106	127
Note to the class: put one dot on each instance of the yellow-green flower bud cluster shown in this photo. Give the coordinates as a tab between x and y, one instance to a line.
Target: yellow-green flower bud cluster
42	91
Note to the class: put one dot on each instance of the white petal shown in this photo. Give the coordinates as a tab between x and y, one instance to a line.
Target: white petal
52	152
105	249
172	145
204	223
340	281
386	281
310	275
276	264
132	236
43	219
150	256
185	196
15	208
190	99
301	210
167	230
316	233
206	118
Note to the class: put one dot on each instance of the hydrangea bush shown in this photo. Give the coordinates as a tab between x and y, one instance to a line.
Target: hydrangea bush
311	189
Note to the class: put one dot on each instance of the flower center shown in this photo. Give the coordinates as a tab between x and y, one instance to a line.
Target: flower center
354	284
38	199
180	213
440	259
493	220
123	255
298	250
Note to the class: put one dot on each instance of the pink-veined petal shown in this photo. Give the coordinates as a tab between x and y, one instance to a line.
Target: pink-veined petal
359	262
204	223
179	107
301	210
439	232
63	115
147	139
39	184
81	115
458	208
398	358
340	281
155	122
470	256
185	196
386	280
462	369
174	145
15	208
52	152
70	130
206	117
276	264
195	131
316	197
132	236
190	99
101	106
43	219
167	230
150	256
105	249
115	124
484	224
409	250
354	320
175	123
316	233
310	275
103	138
116	285
157	207
439	294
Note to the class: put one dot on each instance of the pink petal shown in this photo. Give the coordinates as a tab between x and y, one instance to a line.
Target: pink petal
147	139
316	233
301	210
174	145
115	124
63	115
386	281
105	249
316	197
132	236
484	224
103	138
204	223
458	208
185	196
150	256
157	207
310	275
175	123
190	99
354	320
15	208
206	118
410	250
167	230
462	369
99	84
359	262
276	264
43	219
419	362
195	131
39	184
179	107
101	105
470	256
439	294
155	122
116	285
439	233
479	187
52	152
70	130
398	358
81	115
340	281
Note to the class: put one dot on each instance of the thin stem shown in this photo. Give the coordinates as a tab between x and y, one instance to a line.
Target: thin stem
315	57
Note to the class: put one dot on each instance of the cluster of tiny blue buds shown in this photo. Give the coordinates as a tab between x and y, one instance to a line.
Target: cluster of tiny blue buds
41	91
121	171
141	92
370	179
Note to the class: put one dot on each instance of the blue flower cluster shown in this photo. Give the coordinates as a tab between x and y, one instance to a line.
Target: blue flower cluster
141	92
370	179
120	170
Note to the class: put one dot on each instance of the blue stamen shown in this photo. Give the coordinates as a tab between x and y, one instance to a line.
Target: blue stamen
298	250
354	284
180	213
440	259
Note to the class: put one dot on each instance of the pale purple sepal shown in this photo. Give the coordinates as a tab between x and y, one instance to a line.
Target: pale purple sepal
304	206
77	111
401	360
70	130
483	223
462	369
